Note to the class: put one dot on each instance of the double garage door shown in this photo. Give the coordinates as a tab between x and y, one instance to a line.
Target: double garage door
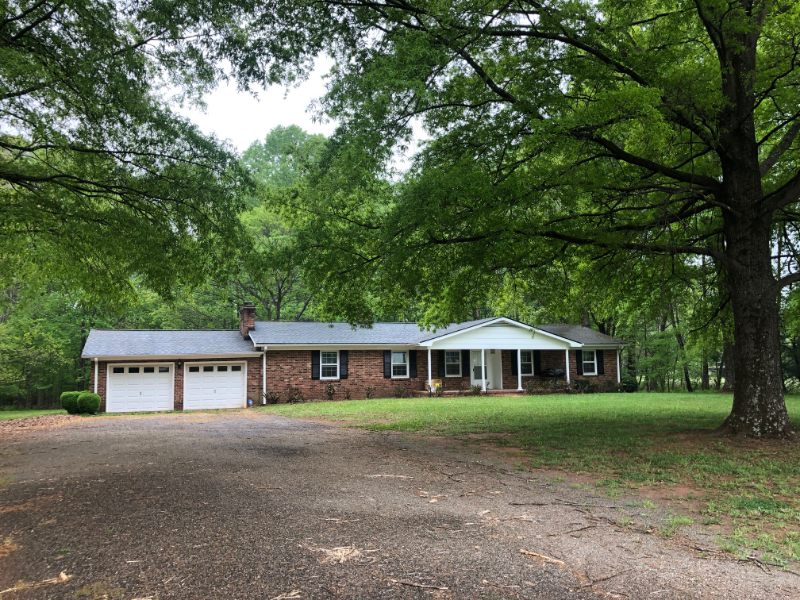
150	387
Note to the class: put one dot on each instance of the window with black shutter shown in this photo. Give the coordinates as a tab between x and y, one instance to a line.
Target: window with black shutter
387	364
315	364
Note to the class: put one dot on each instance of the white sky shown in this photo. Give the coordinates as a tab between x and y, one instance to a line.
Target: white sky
242	119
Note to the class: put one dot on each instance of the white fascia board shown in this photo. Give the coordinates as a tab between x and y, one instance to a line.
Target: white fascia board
602	346
129	358
277	347
572	344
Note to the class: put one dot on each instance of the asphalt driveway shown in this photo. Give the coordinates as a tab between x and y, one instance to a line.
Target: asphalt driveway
247	505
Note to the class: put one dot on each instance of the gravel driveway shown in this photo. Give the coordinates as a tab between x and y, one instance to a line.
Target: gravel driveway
247	505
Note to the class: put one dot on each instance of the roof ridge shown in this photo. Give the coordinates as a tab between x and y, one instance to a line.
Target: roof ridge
342	322
210	330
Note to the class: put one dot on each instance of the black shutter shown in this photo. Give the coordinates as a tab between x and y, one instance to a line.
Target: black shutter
387	364
342	364
537	362
440	361
465	363
315	364
579	361
412	363
514	359
601	368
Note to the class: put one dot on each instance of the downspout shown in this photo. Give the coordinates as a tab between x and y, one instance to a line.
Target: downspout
264	375
96	369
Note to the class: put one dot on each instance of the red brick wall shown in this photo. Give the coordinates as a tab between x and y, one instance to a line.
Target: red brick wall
554	359
609	363
253	377
287	369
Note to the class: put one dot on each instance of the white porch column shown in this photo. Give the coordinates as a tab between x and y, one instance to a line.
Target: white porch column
483	369
264	376
566	352
619	379
430	375
519	370
96	370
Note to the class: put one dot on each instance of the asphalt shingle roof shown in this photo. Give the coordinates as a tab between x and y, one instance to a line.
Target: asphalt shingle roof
130	343
137	342
275	333
582	335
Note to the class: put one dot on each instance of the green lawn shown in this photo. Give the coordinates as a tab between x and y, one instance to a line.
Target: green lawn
749	489
20	414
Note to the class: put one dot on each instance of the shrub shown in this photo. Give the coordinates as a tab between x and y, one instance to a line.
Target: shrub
630	384
272	396
532	387
294	395
369	392
347	394
89	403
580	385
436	390
330	391
69	402
476	390
400	391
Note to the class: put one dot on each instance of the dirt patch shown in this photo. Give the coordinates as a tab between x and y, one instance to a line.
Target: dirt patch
7	546
11	426
30	505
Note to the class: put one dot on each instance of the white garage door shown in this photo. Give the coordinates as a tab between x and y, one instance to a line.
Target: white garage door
214	386
136	388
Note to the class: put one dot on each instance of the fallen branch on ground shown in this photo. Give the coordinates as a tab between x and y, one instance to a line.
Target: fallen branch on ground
62	578
549	559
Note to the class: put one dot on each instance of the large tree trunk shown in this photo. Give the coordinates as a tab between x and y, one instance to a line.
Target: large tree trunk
759	409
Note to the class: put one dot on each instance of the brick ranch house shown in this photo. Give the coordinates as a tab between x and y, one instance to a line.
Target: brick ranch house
149	370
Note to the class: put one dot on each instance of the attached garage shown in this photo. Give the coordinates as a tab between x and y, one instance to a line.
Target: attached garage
214	385
140	387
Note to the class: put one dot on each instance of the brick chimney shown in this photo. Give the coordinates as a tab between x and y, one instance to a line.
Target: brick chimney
247	319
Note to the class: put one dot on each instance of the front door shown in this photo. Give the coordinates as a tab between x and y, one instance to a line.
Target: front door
493	369
475	367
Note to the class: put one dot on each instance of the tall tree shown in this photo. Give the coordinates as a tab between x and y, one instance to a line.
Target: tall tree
99	180
647	127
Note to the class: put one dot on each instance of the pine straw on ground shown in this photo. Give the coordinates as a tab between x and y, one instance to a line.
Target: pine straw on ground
32	423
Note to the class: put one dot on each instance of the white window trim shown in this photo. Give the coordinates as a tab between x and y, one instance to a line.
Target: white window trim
338	365
522	362
407	364
459	363
593	361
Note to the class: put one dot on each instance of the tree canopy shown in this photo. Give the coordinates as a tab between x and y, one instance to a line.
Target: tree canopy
613	128
99	180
